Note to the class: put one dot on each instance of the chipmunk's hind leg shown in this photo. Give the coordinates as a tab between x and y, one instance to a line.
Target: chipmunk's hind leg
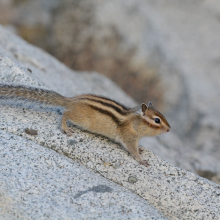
65	118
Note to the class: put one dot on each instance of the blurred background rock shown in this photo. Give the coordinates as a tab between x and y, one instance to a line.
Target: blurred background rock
167	52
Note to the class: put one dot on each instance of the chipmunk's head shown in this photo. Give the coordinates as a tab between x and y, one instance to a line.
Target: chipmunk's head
156	122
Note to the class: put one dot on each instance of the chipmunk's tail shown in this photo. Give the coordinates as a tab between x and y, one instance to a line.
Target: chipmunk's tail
32	95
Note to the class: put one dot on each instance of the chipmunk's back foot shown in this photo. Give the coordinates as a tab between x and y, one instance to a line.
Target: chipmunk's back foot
68	132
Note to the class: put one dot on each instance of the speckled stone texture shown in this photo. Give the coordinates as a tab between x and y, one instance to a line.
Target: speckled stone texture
174	192
38	183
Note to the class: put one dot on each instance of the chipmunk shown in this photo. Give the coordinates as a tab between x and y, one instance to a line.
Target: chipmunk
98	115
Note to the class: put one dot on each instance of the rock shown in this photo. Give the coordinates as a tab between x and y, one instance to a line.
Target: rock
37	183
173	192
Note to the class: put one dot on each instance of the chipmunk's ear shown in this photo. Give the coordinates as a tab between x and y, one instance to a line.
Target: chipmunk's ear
150	105
143	107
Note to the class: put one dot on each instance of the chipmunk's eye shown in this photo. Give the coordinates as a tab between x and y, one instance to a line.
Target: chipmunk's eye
157	120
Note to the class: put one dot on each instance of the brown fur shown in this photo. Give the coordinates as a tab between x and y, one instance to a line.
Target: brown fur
98	115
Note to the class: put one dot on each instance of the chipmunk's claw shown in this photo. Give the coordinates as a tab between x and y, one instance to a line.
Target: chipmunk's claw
145	163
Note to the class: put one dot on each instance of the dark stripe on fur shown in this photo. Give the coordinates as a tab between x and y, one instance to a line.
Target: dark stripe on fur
114	118
120	111
117	103
151	126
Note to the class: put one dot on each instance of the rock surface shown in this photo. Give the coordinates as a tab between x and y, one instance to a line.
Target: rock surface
38	183
174	192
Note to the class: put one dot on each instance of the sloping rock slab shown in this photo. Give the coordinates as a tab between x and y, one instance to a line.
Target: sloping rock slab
38	183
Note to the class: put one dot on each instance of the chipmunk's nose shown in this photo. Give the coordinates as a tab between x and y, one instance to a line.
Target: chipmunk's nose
168	129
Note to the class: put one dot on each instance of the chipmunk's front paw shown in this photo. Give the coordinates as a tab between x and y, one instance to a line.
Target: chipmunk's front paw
140	150
68	132
145	163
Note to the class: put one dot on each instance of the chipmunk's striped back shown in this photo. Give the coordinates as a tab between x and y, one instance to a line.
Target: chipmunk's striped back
106	106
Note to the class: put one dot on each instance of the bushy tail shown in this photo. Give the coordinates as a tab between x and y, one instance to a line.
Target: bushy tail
32	94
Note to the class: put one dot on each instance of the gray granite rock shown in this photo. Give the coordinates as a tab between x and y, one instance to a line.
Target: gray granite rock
38	183
174	192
